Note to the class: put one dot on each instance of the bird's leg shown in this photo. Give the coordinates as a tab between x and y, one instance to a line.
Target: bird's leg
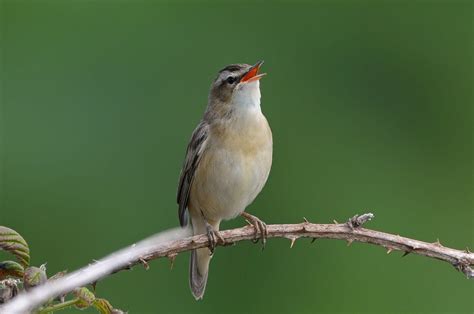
213	235
260	227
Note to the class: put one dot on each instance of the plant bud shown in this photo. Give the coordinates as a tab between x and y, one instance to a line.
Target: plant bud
8	290
85	296
34	276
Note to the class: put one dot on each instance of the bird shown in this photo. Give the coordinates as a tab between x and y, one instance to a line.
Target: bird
227	163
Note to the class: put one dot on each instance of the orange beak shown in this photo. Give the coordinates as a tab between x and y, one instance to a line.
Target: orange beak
252	74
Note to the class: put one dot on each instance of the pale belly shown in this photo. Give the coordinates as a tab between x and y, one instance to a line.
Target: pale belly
228	179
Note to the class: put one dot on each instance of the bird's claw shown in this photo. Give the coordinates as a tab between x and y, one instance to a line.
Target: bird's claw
214	237
261	231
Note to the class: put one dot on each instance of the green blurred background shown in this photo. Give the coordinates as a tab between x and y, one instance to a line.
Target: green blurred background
371	107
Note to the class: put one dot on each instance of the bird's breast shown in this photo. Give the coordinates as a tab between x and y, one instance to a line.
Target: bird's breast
234	168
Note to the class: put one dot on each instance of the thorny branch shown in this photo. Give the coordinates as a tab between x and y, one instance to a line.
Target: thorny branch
170	243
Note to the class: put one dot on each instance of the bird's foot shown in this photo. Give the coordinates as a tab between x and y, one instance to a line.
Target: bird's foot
214	237
261	231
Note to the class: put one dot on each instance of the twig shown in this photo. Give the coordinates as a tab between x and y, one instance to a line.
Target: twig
170	243
59	306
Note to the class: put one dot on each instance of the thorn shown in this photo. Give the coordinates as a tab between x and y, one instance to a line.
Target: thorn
335	222
305	220
293	240
406	253
437	243
389	250
94	285
349	242
43	266
467	250
172	257
144	263
312	241
463	266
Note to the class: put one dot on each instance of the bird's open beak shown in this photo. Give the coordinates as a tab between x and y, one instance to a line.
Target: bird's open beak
252	74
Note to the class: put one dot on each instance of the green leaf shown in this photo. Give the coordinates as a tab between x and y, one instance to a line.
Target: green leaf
11	241
11	269
85	296
104	307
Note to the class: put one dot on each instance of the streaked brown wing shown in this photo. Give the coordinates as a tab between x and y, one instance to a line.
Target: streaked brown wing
194	153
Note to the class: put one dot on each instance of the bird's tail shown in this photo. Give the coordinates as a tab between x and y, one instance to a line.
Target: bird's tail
198	278
199	263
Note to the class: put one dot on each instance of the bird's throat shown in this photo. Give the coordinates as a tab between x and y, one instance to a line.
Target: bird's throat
247	97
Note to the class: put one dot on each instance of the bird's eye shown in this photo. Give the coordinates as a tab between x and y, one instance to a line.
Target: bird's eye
230	80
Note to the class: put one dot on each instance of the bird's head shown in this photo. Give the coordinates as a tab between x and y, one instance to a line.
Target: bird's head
237	85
